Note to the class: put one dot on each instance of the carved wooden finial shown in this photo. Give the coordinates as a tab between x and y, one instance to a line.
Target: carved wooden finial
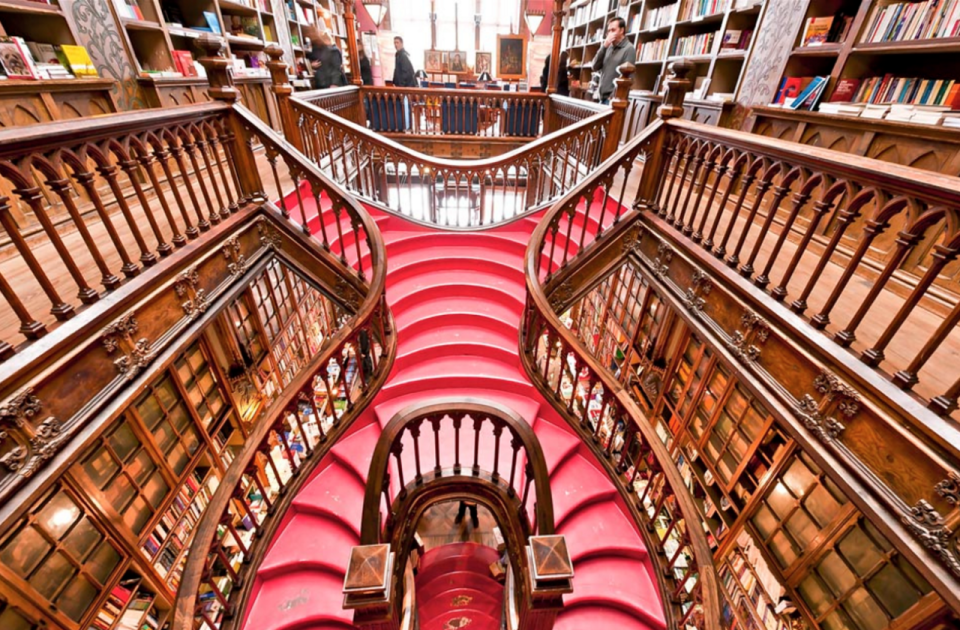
219	70
677	87
278	70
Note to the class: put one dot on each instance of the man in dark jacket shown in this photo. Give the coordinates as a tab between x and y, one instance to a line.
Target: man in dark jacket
327	63
563	82
366	72
403	75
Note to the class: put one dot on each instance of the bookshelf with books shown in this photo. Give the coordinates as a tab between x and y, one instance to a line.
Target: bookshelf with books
715	35
131	605
45	74
892	65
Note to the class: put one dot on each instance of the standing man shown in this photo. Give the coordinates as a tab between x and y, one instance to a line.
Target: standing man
615	51
403	75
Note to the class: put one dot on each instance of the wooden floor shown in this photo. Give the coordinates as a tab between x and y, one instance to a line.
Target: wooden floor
438	526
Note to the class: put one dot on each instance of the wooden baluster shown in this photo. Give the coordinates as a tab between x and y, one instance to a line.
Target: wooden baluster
281	198
109	173
32	197
746	270
497	432
515	445
324	373
131	169
414	429
202	145
162	154
619	103
733	176
357	228
273	465
435	424
190	147
213	141
566	242
176	151
294	469
337	211
30	328
310	400
942	256
295	178
745	183
228	141
698	170
907	378
764	185
871	230
800	199
679	178
146	159
253	473
821	208
477	424
397	450
457	423
240	498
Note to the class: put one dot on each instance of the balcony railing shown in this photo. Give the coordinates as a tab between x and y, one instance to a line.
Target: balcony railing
454	193
169	210
732	227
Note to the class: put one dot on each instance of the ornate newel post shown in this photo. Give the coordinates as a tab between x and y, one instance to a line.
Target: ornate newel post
222	88
619	104
658	160
368	588
351	21
549	576
282	91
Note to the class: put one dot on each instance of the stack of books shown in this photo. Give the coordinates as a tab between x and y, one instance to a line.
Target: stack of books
694	45
20	59
826	30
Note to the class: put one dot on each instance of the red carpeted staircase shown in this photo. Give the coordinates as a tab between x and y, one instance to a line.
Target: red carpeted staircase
456	298
455	588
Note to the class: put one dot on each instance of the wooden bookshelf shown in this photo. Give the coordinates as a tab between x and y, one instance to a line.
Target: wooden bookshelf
658	30
857	57
25	102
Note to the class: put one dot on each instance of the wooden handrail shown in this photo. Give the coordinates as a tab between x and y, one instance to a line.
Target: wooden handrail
366	339
406	425
488	191
620	433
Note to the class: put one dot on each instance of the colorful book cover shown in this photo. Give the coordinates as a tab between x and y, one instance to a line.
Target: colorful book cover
79	61
845	91
817	31
14	61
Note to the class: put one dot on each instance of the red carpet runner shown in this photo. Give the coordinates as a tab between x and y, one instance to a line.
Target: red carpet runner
457	298
455	590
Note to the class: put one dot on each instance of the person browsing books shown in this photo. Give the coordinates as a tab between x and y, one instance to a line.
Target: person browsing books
327	63
616	50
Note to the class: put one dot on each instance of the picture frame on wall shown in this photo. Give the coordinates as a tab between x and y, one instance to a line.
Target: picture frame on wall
433	61
483	63
444	59
457	63
511	56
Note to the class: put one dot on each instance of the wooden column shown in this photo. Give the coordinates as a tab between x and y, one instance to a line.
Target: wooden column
283	91
476	30
433	24
352	51
222	88
619	105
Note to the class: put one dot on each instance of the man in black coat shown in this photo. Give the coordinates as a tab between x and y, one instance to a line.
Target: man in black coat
563	82
366	71
327	63
403	74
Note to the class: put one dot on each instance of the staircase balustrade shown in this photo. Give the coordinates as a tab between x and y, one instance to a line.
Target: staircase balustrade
143	196
436	191
495	459
730	222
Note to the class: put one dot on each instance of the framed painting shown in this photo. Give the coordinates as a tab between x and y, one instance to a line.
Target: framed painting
484	63
433	61
511	57
457	62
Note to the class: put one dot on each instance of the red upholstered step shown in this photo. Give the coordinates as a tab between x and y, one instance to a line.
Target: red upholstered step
456	298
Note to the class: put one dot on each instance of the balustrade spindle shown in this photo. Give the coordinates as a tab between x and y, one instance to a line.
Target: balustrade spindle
146	160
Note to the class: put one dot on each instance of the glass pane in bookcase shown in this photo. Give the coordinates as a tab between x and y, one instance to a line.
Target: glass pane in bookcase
76	597
783	549
83	538
11	619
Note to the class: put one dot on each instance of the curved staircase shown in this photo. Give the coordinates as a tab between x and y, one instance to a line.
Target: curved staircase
455	589
456	298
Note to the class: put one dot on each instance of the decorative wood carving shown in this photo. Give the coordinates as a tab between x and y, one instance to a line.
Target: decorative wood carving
949	488
236	262
187	286
136	354
700	287
928	526
747	340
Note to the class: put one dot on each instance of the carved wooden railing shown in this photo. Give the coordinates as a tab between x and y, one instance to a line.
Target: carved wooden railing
446	449
472	193
861	250
596	405
170	212
342	101
451	112
566	111
731	226
133	189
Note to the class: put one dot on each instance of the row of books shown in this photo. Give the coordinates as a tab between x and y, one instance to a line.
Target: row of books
243	26
903	90
906	21
20	59
692	9
736	40
700	44
128	607
263	5
800	92
177	522
655	50
653	18
826	30
129	9
592	11
296	12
